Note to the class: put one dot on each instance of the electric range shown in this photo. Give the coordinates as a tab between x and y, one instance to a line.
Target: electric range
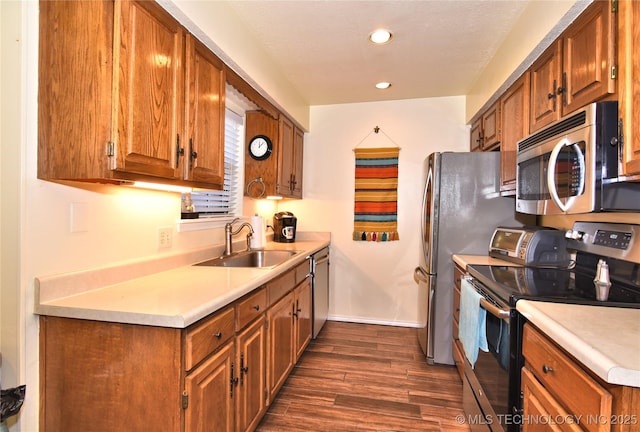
494	383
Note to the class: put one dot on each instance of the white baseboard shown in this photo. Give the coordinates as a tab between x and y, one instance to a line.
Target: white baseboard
372	321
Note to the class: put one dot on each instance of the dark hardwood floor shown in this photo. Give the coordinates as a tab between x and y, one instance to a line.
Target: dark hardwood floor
361	377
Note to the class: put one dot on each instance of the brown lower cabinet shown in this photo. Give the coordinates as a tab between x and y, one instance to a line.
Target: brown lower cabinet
458	350
556	386
211	376
289	334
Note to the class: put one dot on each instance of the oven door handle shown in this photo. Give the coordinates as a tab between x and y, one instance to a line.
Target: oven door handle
494	310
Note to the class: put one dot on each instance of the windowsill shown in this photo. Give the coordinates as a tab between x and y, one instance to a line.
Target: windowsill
185	225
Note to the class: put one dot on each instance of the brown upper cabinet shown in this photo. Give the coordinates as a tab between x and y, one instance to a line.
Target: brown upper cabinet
515	126
629	88
290	151
486	130
205	98
115	103
281	173
578	68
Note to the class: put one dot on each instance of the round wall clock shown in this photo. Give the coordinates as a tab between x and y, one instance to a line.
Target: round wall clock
260	147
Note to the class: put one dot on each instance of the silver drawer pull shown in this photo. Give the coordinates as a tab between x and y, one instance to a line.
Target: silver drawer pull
218	335
546	369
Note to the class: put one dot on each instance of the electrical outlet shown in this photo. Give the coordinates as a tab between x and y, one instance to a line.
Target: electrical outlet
165	238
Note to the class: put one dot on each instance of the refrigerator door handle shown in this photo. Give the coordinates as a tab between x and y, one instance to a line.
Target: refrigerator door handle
420	275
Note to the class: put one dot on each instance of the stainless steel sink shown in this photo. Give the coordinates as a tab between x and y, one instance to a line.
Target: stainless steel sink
254	258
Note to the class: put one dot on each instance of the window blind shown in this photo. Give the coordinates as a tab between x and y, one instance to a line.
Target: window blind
227	202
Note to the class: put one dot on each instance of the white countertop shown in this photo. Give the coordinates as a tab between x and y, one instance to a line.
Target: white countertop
604	339
176	297
464	260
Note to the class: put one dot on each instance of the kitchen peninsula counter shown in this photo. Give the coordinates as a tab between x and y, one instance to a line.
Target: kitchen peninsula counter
142	293
604	339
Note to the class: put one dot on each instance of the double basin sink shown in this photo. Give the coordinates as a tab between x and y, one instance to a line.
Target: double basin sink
251	258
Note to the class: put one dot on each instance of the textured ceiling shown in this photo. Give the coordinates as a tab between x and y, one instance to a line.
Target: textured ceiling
439	47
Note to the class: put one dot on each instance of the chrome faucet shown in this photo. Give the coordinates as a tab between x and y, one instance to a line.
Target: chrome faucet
229	233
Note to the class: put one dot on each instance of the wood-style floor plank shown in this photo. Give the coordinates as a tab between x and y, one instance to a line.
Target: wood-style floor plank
366	378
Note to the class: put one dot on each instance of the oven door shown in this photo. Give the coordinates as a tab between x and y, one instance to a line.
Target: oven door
489	379
492	367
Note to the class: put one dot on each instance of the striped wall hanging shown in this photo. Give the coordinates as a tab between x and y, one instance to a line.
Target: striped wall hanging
376	194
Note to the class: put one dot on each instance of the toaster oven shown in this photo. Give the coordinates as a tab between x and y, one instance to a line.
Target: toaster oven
530	246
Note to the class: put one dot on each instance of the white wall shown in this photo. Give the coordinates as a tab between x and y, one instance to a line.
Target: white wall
373	282
10	190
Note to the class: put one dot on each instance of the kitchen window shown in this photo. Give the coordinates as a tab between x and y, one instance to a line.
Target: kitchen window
223	205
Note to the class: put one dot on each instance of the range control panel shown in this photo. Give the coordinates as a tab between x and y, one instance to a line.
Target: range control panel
615	240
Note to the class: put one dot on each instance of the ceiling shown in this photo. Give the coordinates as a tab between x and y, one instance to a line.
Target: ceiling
439	48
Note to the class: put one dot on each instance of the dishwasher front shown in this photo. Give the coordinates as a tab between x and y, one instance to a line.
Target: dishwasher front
320	288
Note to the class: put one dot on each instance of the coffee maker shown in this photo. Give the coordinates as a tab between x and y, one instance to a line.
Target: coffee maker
284	227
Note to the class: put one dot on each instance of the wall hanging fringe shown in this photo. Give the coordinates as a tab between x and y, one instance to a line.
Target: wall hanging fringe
376	194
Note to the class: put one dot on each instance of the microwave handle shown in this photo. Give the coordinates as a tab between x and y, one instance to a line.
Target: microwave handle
551	171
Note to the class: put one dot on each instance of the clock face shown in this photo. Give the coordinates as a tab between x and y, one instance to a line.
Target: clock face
260	147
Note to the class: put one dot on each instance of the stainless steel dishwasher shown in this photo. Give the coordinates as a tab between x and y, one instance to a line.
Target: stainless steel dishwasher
320	288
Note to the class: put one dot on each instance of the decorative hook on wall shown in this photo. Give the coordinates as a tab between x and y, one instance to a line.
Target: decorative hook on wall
376	130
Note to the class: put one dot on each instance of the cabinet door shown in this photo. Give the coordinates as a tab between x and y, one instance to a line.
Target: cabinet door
74	89
210	390
205	85
303	316
491	130
515	126
298	151
539	403
629	88
476	136
252	360
546	74
150	79
588	56
285	170
105	377
280	356
259	123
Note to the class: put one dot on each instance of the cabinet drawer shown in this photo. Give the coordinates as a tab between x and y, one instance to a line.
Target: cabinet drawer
302	271
538	403
456	329
204	338
458	274
565	379
250	307
456	304
281	285
458	358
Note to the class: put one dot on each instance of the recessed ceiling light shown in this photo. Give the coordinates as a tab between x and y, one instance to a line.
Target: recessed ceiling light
380	36
383	85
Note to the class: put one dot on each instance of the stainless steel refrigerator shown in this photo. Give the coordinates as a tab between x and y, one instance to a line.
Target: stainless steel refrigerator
461	207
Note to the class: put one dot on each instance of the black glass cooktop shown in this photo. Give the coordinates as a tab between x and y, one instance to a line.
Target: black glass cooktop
556	285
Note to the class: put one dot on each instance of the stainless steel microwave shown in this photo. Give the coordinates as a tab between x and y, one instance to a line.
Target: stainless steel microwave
571	166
